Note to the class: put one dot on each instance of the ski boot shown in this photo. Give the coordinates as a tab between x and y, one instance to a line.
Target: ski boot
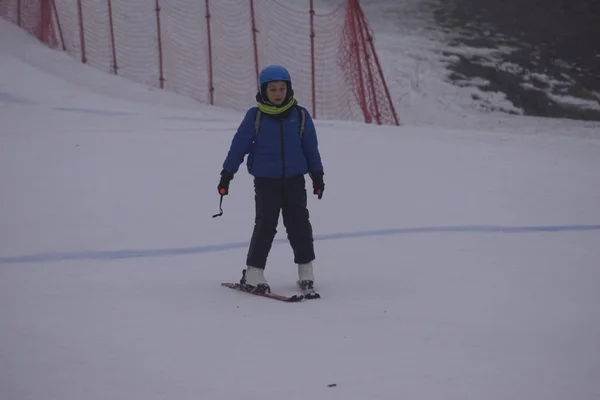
306	281
254	280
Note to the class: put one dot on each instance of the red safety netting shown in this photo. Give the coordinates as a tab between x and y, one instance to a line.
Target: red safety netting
212	50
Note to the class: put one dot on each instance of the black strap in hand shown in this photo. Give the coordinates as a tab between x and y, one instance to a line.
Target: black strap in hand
220	208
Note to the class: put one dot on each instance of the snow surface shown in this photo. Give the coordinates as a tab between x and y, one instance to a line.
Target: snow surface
454	263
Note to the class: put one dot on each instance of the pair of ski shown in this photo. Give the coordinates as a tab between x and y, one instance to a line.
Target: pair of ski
288	299
307	294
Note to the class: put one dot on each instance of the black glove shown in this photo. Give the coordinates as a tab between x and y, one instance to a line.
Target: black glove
223	187
318	183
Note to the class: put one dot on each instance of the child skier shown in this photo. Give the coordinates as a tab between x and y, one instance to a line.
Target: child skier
280	139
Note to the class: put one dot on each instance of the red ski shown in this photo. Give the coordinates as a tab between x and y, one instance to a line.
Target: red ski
242	288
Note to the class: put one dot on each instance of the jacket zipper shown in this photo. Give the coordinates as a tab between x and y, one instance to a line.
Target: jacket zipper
282	149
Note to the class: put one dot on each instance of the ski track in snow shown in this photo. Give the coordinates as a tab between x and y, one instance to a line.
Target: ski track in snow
146	253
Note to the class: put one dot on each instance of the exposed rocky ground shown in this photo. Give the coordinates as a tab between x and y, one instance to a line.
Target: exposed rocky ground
544	55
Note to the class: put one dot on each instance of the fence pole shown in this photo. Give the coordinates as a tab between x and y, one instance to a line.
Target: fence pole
312	56
81	31
211	88
161	77
59	27
380	71
351	10
19	13
254	31
112	38
45	20
371	80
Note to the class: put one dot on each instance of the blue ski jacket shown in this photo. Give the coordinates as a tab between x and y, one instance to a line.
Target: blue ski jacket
278	150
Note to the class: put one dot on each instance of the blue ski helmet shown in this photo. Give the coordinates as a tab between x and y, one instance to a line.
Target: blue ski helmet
273	73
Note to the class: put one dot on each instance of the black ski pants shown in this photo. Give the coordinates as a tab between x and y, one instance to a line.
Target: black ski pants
289	196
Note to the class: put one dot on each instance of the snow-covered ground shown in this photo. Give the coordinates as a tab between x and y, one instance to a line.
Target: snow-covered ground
453	263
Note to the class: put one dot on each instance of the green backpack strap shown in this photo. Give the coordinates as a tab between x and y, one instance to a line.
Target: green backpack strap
302	121
257	121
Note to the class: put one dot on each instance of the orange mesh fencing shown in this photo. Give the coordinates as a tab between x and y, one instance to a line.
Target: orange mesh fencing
212	51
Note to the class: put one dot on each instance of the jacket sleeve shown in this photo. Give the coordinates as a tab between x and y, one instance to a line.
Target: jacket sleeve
241	143
311	145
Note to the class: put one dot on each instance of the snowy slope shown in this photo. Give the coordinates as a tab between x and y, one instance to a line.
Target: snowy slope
453	264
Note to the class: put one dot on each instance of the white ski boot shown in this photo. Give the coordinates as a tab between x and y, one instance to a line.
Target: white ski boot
254	278
306	281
